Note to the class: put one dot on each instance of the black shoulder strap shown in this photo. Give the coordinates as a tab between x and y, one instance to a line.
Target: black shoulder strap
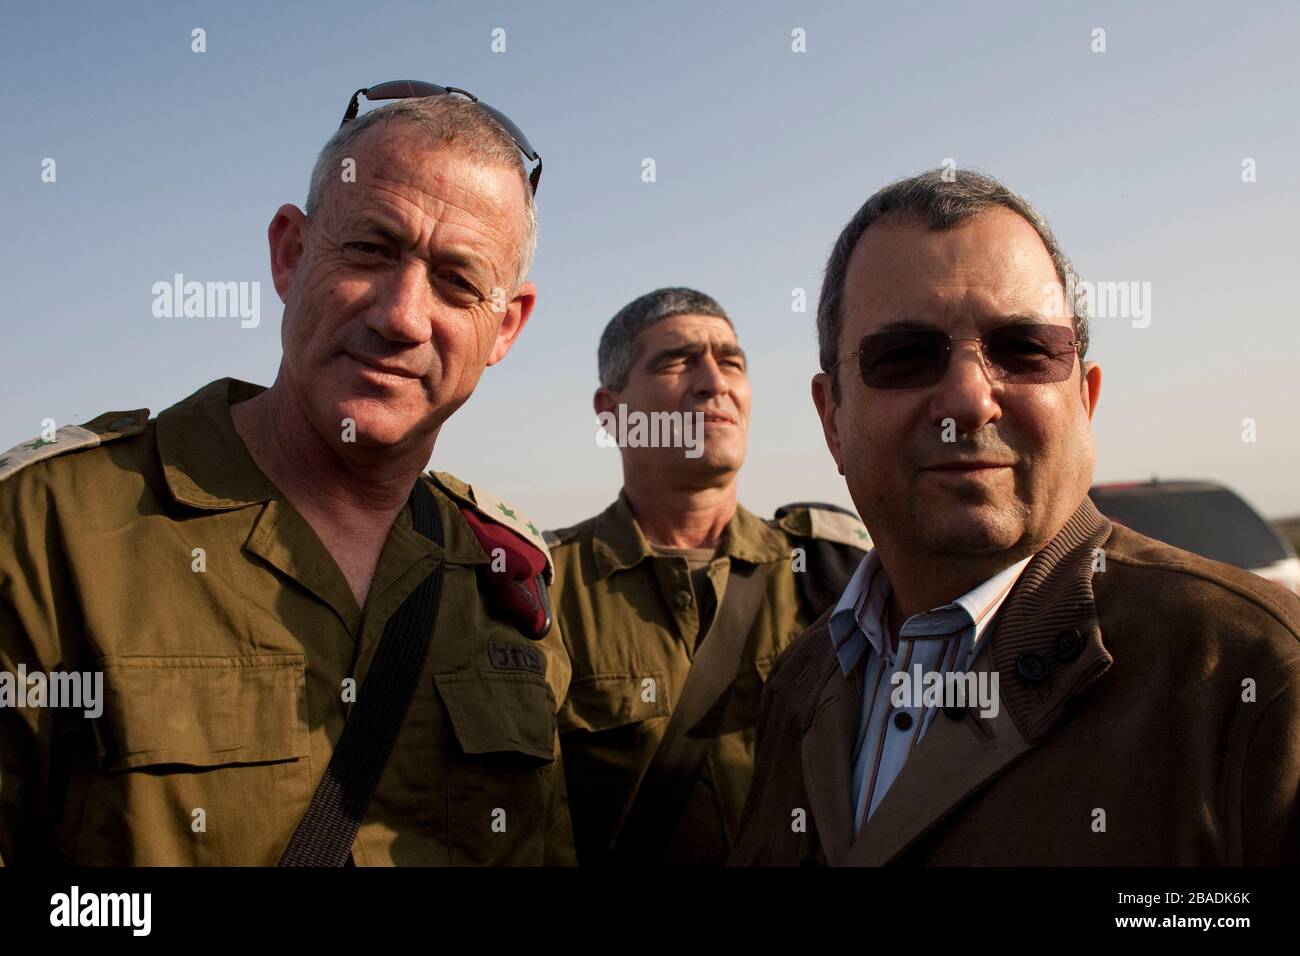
661	798
325	834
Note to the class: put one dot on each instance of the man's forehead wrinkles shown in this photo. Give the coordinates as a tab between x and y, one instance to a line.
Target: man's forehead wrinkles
410	198
697	339
393	209
694	347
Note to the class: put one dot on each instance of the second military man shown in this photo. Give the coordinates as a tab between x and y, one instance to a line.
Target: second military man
675	600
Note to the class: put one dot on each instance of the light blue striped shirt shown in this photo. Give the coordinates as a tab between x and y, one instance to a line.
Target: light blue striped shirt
857	625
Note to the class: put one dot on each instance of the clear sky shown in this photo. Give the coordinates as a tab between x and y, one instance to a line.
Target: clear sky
171	161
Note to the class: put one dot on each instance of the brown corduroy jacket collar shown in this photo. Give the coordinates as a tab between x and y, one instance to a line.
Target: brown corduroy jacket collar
1049	621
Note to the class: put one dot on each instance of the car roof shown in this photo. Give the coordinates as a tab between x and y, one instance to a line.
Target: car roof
1158	487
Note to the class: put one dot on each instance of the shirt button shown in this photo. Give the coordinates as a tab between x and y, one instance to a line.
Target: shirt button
684	599
903	720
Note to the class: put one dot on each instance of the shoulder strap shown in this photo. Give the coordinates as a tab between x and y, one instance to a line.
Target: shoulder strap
833	542
103	428
325	834
661	798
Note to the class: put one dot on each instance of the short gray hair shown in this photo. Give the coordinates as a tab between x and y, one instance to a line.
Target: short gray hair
446	120
618	346
941	199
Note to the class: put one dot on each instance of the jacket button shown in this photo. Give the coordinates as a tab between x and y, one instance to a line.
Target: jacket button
954	711
1069	643
684	599
903	720
1032	667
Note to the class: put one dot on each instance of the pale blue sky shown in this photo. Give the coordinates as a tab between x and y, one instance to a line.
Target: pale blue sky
170	161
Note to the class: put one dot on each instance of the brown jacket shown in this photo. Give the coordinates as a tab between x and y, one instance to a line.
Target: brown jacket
1168	735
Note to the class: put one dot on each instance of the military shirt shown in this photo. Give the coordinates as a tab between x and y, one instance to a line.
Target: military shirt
630	623
231	650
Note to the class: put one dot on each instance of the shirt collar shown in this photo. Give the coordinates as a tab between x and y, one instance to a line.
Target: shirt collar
619	543
205	462
856	624
207	465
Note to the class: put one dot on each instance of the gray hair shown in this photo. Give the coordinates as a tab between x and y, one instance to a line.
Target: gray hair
941	200
618	346
446	120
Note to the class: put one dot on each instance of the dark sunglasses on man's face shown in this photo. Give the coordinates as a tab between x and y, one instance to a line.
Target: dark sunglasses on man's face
406	89
1016	353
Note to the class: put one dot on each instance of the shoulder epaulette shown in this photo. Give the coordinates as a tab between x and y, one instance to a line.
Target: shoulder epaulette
489	506
558	536
97	431
826	522
834	541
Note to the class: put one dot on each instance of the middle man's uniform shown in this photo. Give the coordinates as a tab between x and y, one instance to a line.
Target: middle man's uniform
634	617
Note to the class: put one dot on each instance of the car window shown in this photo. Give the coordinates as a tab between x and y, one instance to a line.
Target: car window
1212	523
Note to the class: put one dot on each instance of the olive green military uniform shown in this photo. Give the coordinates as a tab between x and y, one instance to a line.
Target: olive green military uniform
161	556
629	614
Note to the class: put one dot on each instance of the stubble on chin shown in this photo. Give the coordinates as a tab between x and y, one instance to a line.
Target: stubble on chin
973	525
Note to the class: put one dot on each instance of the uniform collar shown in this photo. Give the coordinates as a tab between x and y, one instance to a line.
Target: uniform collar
205	462
207	465
618	542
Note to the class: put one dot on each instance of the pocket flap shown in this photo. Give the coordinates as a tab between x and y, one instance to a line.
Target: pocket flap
204	711
497	713
604	701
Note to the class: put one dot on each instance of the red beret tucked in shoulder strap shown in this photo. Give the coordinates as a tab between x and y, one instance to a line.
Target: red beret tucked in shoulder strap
514	581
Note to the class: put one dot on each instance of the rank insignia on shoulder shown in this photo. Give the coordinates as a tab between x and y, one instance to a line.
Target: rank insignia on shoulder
516	588
97	431
834	542
825	522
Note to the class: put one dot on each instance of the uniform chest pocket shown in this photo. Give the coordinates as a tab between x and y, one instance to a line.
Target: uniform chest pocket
205	761
500	713
500	772
203	711
600	702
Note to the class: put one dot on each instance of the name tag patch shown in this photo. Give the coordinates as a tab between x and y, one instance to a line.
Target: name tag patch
507	656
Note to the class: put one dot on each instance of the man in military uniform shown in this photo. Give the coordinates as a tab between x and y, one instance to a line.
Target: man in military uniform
658	728
229	568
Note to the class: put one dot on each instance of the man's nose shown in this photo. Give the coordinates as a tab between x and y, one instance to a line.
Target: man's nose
968	393
709	378
404	310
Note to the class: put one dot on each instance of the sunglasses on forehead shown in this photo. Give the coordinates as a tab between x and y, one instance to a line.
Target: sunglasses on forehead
1016	353
408	89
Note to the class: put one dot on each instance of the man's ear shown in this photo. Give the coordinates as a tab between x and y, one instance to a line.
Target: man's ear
827	410
605	400
1090	387
518	310
288	237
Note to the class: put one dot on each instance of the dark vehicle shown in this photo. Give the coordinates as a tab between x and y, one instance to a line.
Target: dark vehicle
1204	518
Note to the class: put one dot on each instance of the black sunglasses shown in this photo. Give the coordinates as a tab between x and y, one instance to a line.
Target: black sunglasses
406	89
1019	353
